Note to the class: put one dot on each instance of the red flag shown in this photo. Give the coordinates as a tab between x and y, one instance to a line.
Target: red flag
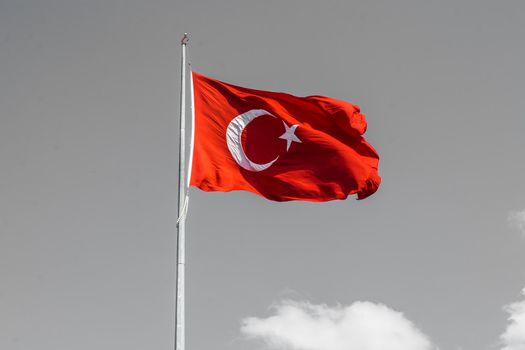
279	146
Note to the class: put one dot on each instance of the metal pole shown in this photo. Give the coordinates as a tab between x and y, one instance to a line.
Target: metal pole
181	255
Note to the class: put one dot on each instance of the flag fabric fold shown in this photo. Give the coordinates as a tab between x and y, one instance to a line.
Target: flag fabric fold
279	146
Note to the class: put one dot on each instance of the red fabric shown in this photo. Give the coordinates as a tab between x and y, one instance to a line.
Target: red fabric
332	160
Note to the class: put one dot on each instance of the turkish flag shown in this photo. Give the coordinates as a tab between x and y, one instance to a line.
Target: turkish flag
279	146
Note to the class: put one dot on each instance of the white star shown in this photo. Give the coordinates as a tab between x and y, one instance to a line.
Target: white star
289	135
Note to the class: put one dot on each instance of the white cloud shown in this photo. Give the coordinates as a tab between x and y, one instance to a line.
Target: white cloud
362	326
514	336
517	221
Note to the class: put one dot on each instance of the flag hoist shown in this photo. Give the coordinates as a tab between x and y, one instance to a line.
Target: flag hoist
184	178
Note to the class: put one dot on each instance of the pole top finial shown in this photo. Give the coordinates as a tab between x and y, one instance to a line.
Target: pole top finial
185	39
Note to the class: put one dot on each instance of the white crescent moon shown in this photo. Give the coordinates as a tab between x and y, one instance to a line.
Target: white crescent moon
233	139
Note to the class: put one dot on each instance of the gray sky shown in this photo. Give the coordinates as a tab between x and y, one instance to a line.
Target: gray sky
88	147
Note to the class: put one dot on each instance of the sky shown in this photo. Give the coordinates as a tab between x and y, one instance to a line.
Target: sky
88	183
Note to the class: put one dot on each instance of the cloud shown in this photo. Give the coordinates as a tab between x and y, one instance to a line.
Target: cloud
514	336
517	221
361	325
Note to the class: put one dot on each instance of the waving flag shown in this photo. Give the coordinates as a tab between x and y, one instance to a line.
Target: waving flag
279	146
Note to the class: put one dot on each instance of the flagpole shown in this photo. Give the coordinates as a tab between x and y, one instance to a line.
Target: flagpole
183	202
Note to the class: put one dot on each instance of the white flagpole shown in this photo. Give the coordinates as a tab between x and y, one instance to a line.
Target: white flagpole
183	202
